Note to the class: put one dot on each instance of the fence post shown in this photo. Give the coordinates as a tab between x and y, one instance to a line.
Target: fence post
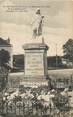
28	108
15	107
32	107
23	108
50	108
19	109
2	106
6	108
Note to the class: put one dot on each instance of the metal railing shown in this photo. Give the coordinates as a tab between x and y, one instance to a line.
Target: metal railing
31	109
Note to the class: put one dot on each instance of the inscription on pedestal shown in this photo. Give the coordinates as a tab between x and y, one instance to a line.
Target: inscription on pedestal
34	65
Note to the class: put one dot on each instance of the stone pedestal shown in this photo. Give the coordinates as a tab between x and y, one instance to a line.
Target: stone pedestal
35	63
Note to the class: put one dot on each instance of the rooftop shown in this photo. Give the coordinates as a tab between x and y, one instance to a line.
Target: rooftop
4	42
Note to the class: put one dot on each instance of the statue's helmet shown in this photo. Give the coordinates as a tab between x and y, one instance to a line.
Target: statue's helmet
38	11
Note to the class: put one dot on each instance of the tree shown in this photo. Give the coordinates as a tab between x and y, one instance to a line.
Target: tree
4	57
4	68
68	50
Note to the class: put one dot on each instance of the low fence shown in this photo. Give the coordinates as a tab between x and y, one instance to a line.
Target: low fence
31	109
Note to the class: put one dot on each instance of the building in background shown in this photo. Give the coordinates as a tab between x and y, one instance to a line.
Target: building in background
53	62
5	44
18	62
56	62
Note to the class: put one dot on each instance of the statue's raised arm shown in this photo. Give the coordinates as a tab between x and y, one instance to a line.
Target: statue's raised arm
38	24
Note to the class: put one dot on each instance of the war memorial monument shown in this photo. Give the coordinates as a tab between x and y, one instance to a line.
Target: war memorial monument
35	61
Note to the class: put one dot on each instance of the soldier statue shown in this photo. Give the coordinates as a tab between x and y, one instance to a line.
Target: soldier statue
37	24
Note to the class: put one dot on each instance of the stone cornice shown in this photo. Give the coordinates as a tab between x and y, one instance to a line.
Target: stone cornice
31	46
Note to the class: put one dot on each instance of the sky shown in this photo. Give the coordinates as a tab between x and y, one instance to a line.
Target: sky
16	17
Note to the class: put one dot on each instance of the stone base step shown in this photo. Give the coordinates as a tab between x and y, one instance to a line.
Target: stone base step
34	81
33	84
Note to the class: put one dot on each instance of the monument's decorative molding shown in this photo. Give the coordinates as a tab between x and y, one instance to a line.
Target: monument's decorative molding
34	46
